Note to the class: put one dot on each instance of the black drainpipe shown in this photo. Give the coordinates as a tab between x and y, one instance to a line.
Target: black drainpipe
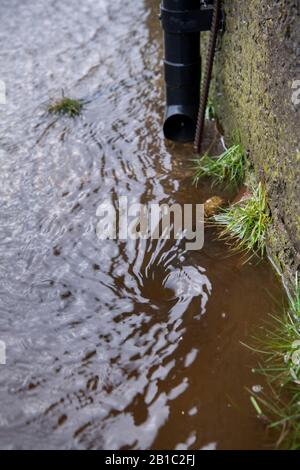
182	21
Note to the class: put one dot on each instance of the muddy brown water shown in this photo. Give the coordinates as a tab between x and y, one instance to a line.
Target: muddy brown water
108	346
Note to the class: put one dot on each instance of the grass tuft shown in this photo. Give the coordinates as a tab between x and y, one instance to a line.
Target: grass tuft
246	223
228	168
67	106
210	111
282	370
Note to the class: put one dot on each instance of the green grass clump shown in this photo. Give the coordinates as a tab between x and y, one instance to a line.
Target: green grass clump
246	223
228	168
210	111
282	370
67	106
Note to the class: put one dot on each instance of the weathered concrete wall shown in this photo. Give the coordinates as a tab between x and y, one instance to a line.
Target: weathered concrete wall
258	60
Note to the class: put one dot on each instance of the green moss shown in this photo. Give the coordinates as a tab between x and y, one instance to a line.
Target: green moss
210	111
252	91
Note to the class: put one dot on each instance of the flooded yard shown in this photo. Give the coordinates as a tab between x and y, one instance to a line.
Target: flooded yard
109	343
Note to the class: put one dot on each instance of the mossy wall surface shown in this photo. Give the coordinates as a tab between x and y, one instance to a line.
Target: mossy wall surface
257	62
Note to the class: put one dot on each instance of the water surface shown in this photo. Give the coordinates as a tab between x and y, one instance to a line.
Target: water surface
110	344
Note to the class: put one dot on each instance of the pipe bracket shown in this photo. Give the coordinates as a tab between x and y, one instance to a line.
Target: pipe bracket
189	21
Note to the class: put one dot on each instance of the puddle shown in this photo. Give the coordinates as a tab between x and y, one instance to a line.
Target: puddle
111	344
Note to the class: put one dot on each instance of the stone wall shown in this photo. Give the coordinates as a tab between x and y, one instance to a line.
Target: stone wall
257	62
